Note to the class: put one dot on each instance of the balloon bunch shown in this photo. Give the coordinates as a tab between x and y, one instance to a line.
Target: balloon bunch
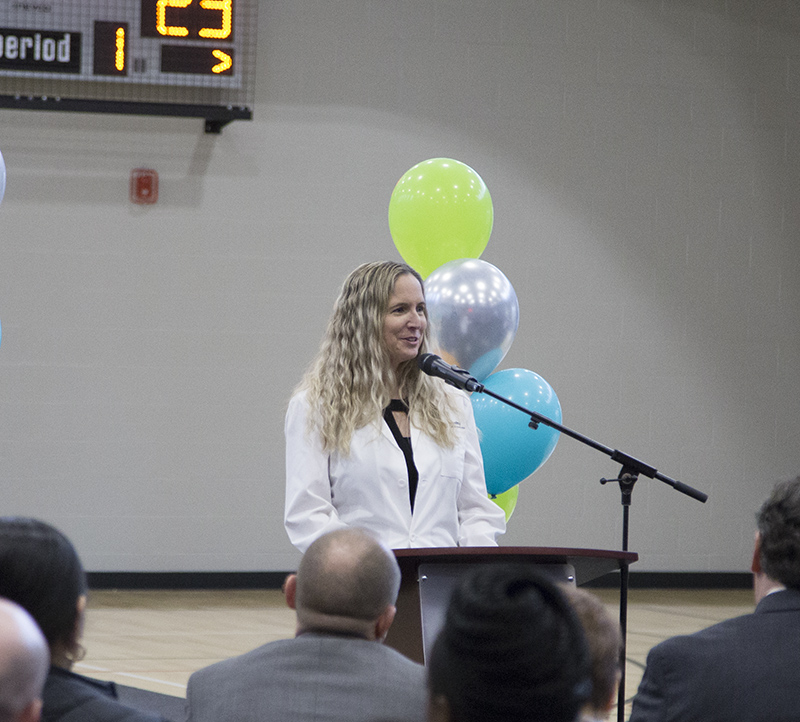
440	218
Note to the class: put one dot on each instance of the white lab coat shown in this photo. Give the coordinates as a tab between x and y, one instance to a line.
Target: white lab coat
369	488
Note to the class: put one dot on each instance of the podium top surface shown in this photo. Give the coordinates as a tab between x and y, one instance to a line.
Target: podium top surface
589	563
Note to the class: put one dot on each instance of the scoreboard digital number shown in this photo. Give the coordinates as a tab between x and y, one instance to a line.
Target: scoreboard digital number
123	51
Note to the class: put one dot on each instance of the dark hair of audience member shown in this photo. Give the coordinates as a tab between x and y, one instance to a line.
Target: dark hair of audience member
604	639
511	649
779	527
40	570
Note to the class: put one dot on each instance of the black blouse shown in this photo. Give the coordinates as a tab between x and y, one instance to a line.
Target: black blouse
404	442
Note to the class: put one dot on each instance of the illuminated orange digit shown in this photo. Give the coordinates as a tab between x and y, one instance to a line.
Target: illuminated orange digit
161	18
226	8
119	55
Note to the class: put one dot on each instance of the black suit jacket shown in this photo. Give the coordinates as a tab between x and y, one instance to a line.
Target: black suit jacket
69	697
747	669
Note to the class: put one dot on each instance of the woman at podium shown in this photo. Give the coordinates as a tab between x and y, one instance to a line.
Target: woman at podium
373	442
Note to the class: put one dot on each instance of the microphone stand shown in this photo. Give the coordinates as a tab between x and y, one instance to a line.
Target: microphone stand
628	475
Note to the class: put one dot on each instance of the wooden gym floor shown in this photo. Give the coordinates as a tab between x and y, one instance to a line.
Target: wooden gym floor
155	639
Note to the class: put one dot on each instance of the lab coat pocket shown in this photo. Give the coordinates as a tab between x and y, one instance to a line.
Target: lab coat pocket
452	465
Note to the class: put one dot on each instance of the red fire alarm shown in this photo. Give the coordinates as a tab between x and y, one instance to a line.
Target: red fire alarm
144	185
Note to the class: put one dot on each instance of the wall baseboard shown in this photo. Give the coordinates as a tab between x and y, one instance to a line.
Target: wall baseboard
677	580
186	580
274	580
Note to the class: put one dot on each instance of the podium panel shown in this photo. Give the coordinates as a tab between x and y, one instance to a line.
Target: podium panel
436	584
429	575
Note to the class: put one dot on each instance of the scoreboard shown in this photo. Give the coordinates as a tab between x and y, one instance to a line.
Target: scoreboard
167	57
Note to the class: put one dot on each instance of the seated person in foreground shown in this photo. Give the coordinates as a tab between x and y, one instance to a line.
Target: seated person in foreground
40	570
744	669
604	637
24	661
336	667
511	650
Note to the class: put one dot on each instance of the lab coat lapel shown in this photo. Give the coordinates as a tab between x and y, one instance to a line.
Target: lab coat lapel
386	432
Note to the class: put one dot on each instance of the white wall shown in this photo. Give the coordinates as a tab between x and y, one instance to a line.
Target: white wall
643	161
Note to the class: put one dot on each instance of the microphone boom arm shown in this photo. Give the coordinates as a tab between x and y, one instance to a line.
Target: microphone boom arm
630	464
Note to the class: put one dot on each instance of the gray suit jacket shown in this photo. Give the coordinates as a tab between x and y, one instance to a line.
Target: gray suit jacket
311	678
745	669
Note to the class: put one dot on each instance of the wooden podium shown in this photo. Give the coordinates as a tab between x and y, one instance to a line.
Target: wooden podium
428	575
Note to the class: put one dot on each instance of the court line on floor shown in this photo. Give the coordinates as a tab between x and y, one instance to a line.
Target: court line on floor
151	679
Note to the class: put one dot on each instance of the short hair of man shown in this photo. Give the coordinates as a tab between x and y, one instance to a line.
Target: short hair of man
41	571
24	661
347	573
779	528
511	649
604	637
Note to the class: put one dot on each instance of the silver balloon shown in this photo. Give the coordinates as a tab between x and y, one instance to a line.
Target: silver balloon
473	313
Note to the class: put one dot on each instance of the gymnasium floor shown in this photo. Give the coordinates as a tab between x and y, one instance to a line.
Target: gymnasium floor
154	640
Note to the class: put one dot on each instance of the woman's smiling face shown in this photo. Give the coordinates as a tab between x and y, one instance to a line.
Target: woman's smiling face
405	321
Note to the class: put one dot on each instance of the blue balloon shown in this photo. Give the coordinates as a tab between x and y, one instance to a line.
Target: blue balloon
512	451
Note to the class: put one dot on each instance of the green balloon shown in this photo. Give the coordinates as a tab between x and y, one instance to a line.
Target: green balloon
440	211
507	501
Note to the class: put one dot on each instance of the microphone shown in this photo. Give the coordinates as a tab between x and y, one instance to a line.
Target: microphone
433	365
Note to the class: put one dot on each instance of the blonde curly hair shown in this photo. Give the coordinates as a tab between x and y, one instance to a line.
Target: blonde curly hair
351	380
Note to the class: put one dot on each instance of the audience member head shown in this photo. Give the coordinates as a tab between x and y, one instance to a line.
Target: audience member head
24	661
40	570
604	638
347	582
778	539
511	649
